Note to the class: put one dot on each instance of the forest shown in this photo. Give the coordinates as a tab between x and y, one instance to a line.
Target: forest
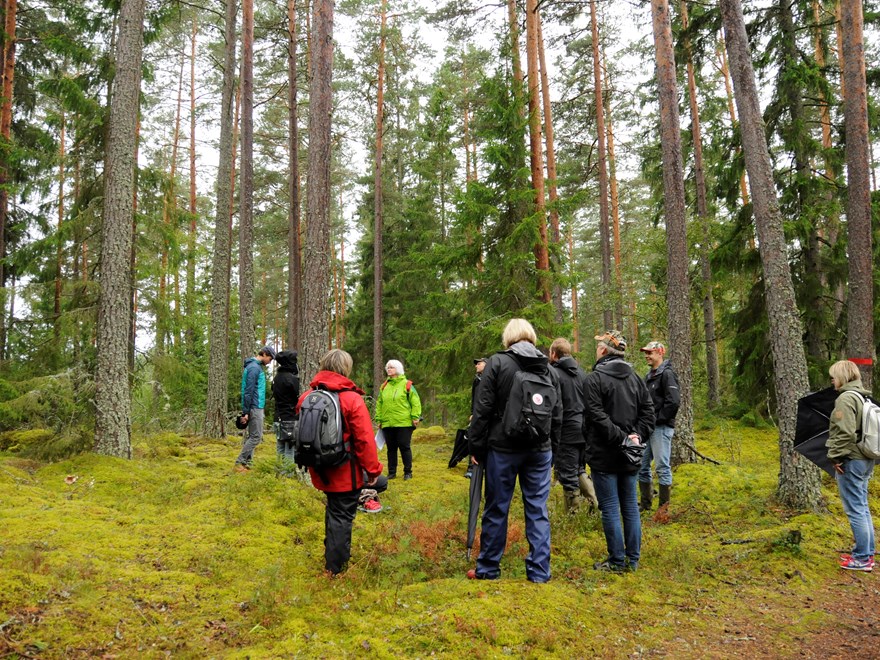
182	183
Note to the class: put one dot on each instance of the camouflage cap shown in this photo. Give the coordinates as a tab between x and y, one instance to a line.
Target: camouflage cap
613	338
653	346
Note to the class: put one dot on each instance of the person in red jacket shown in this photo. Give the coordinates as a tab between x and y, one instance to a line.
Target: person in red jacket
342	484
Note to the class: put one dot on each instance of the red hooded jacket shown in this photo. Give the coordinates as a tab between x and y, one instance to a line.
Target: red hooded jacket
357	429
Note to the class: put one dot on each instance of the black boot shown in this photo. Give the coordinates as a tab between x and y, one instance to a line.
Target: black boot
664	494
647	496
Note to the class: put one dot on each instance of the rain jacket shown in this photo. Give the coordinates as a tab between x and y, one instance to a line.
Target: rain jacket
357	429
571	382
253	385
486	430
846	424
617	404
665	393
285	386
395	407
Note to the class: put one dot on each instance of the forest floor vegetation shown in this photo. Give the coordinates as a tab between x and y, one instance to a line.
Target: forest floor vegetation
172	553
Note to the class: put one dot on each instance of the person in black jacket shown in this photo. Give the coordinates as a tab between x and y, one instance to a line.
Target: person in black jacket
618	406
662	383
568	457
285	389
507	458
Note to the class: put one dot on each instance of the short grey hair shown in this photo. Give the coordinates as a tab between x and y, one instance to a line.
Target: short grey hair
518	330
337	361
397	364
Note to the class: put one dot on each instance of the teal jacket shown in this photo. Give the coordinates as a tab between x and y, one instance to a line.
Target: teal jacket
394	408
253	385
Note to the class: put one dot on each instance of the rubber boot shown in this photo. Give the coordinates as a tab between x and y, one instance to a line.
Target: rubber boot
664	495
572	501
647	496
585	483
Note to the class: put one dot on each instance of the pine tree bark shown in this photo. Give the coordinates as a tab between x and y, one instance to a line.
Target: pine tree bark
218	339
613	198
677	287
604	230
724	69
193	209
246	188
860	317
708	303
8	74
798	478
536	158
294	248
378	261
112	390
316	270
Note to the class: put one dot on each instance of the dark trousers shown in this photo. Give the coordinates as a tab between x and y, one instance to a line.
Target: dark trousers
338	521
502	471
569	462
399	437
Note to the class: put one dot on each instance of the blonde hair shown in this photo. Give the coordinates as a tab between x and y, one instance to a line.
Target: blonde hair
518	330
561	347
337	361
844	372
397	364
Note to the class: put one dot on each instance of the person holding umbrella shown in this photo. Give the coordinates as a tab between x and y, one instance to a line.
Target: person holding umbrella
508	456
852	468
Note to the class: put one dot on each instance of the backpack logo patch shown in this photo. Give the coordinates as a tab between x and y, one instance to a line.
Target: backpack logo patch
528	415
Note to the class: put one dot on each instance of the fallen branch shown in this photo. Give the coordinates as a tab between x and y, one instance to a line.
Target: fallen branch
736	541
705	458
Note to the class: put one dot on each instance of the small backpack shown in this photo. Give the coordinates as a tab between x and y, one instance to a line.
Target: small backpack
319	438
528	414
869	444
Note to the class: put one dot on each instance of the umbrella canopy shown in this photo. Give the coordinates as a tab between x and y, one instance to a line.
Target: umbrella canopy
811	432
476	494
460	449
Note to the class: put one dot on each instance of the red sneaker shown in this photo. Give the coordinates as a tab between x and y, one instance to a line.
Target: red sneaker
853	564
472	574
370	506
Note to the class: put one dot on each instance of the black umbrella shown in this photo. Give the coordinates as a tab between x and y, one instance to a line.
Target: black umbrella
460	449
476	494
811	432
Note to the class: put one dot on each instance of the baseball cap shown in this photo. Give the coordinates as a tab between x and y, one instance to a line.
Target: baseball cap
480	359
653	346
613	338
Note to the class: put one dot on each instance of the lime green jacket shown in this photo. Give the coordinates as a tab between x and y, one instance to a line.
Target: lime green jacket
846	421
394	408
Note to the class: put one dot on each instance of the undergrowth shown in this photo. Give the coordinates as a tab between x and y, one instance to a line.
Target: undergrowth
172	553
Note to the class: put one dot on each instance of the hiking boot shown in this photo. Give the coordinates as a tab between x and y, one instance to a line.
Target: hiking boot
665	491
853	564
607	567
647	496
407	476
392	476
469	473
241	468
370	506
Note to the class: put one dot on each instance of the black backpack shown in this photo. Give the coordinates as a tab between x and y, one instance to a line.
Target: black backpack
528	415
319	437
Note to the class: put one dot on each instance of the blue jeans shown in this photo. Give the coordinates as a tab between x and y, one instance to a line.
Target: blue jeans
853	487
618	499
502	470
658	448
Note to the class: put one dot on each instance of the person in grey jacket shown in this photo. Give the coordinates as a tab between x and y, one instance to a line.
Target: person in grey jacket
662	383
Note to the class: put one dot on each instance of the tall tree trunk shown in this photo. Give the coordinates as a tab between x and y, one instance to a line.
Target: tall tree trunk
542	255
678	298
59	252
703	219
316	271
798	477
575	316
551	169
342	290
246	190
193	208
218	339
132	260
614	198
378	261
8	73
112	390
860	317
513	25
294	249
604	229
731	109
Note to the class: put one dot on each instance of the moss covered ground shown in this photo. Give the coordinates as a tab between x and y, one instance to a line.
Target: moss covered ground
173	554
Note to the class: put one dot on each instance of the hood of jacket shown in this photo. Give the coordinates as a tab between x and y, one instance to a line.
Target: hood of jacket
287	360
568	364
855	386
529	357
253	359
334	382
653	373
398	378
614	366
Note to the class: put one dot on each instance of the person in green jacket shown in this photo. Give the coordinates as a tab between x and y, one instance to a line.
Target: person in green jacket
398	411
852	468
